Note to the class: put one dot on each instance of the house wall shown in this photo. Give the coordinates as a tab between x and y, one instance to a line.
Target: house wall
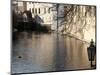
42	10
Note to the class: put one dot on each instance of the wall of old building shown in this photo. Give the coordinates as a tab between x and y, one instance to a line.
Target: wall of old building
42	11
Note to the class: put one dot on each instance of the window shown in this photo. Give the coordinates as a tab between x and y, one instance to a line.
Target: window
29	2
39	10
30	9
44	10
35	10
49	10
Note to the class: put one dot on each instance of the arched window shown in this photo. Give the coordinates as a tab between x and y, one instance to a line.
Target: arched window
29	2
48	10
32	10
29	9
35	10
39	10
44	10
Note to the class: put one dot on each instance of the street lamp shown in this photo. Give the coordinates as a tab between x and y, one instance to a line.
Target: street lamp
91	53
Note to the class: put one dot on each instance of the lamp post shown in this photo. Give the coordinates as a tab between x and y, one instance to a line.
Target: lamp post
57	16
91	53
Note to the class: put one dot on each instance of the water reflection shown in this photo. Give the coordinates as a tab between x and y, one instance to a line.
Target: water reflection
47	52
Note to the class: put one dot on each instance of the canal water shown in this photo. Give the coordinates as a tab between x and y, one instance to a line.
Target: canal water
33	52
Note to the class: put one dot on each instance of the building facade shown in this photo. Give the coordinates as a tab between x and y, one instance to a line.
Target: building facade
41	12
